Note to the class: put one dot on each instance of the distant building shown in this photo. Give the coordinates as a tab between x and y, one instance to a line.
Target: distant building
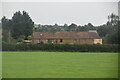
67	38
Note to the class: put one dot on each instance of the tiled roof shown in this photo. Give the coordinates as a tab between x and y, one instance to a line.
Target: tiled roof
59	35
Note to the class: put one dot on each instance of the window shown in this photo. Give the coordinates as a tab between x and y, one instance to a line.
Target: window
61	40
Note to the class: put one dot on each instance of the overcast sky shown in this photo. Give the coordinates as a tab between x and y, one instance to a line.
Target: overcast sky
79	13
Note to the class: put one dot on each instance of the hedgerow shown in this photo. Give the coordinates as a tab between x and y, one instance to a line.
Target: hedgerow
61	47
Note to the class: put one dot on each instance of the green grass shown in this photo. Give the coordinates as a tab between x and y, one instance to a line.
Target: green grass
59	65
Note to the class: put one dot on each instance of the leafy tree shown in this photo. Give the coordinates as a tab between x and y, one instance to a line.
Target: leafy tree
17	25
102	30
72	27
28	24
114	36
113	23
22	24
112	19
6	26
55	26
6	23
66	27
81	28
89	26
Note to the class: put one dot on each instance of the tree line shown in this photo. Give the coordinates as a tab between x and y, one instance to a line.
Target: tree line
68	28
21	27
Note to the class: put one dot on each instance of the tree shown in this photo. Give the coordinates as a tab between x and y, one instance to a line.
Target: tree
111	30
65	27
113	35
55	26
89	26
113	19
102	30
6	26
22	24
6	23
72	27
82	28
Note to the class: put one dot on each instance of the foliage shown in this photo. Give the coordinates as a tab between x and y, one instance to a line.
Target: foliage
114	36
6	23
114	26
72	27
29	37
22	24
102	30
111	30
60	47
6	28
68	28
21	38
113	19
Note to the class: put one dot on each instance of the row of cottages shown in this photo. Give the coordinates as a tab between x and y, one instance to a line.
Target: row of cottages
67	38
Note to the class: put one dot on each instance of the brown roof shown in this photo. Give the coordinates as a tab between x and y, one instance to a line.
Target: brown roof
59	35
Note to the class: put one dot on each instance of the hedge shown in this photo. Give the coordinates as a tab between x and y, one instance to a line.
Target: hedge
60	47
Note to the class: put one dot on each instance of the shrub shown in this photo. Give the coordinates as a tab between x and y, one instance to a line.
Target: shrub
60	47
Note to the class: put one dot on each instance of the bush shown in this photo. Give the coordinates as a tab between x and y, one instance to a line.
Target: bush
60	47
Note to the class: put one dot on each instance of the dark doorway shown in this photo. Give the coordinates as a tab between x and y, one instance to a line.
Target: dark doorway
61	40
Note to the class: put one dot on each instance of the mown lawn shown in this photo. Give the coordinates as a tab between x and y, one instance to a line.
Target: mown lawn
59	65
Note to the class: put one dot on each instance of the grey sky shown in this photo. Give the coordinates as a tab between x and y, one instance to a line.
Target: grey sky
0	10
63	12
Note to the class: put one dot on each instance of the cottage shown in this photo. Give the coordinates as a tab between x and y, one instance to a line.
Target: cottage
67	38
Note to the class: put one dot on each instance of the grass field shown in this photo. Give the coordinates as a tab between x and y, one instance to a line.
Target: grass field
59	65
